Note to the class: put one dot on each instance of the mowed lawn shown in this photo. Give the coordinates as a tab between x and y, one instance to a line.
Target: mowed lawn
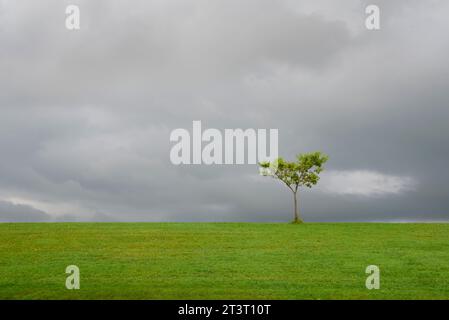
224	260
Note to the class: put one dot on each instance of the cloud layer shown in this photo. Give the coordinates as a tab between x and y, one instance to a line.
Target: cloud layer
366	183
85	117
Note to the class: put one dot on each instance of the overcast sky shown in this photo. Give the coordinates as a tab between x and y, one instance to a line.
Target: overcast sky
86	116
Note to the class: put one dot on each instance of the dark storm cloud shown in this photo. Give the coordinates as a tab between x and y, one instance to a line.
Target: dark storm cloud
10	212
86	116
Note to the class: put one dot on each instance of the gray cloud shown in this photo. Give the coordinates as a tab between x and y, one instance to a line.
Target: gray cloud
86	116
10	212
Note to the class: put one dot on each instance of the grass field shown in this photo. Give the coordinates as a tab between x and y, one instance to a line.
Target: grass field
224	260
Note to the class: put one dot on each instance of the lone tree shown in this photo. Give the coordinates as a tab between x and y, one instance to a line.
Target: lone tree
303	172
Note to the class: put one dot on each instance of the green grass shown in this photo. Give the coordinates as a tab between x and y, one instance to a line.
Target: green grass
224	260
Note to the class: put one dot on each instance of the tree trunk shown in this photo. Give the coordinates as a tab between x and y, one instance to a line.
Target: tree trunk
297	218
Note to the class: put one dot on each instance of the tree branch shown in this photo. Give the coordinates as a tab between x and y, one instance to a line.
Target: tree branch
284	182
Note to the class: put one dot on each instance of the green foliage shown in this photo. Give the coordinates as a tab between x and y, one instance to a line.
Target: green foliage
303	172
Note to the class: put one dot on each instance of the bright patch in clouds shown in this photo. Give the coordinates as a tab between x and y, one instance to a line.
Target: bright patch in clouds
365	183
51	208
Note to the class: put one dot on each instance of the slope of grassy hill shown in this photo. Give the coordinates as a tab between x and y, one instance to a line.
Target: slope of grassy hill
223	260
